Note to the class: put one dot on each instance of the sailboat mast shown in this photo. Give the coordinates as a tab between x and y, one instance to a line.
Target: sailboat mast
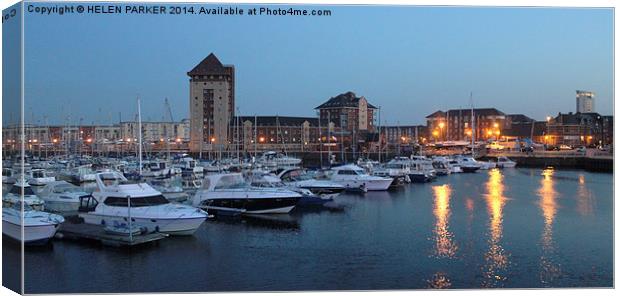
473	124
139	138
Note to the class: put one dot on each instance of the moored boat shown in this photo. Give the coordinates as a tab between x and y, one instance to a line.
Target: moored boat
37	227
116	199
229	193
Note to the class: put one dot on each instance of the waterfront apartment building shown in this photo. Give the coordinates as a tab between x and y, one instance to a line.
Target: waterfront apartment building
72	137
524	127
401	138
456	124
211	104
154	131
352	118
278	133
585	101
579	129
403	134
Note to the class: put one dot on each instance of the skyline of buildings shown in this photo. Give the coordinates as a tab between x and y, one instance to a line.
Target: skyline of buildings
345	122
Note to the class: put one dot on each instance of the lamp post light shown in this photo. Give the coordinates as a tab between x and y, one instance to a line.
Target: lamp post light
435	135
441	125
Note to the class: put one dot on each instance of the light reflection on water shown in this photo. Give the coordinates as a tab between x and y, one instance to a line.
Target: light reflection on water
510	228
444	244
549	270
585	199
496	258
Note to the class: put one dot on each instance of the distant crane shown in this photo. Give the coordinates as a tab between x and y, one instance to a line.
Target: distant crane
167	104
169	109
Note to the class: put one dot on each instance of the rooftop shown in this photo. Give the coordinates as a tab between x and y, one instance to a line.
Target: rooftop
348	99
278	120
211	65
477	111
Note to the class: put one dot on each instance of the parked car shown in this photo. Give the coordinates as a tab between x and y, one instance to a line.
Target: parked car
581	149
565	147
552	148
495	146
527	149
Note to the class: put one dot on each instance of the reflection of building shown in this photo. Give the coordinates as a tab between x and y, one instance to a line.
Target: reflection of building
585	101
577	129
456	125
211	103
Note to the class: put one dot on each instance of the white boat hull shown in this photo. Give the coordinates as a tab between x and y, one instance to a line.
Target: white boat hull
377	185
39	234
282	210
506	164
175	226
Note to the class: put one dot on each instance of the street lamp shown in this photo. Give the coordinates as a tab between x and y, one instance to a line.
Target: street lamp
441	125
435	134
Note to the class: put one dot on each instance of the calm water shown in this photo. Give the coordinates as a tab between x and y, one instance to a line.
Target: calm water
510	228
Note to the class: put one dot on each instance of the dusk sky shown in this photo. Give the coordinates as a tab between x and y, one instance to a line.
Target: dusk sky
411	61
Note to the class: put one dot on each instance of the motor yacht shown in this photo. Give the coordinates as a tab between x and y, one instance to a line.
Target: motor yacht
21	191
468	164
229	193
38	227
353	177
422	170
454	166
81	174
442	166
116	198
189	166
505	162
39	177
398	169
273	160
61	196
296	177
171	191
8	176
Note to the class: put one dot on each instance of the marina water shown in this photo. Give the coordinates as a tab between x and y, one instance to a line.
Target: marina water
512	228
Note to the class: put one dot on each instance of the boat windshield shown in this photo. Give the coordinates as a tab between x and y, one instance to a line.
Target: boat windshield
230	182
18	206
17	190
395	166
296	175
66	188
38	174
145	201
